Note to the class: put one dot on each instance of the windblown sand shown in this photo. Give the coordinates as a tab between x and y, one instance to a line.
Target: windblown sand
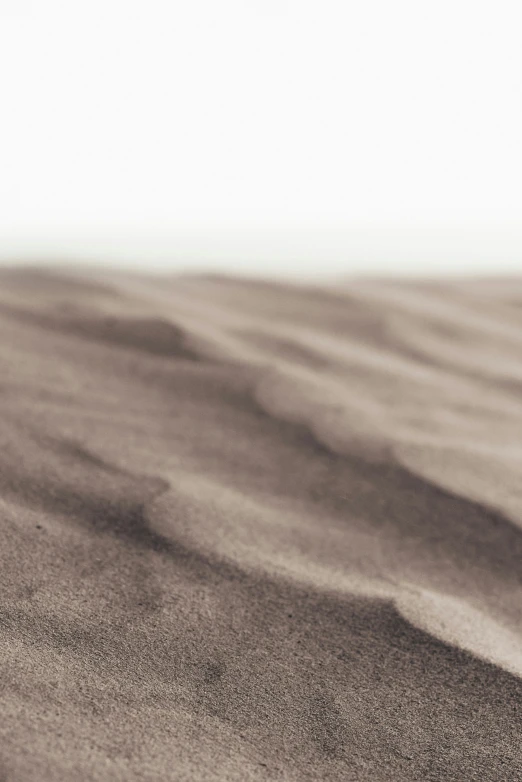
260	531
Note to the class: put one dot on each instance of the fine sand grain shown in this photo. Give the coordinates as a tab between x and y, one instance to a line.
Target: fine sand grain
260	531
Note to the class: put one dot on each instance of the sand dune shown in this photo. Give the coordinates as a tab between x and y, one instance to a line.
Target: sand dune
260	531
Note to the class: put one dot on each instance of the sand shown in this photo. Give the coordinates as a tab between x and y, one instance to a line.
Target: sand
257	530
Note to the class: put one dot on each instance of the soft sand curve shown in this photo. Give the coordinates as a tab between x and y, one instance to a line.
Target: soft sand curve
256	530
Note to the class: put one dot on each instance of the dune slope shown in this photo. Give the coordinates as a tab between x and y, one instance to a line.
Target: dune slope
260	531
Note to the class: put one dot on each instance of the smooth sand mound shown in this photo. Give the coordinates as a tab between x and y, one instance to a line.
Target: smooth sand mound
254	530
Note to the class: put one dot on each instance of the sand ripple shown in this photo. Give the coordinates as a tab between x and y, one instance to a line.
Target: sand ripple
260	531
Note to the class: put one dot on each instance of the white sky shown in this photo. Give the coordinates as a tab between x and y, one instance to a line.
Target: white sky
263	134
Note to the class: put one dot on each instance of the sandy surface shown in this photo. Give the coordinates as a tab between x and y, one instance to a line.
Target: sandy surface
257	531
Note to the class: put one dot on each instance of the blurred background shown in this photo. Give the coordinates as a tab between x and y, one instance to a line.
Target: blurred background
280	137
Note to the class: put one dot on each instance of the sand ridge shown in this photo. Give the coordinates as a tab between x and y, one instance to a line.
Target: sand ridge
257	530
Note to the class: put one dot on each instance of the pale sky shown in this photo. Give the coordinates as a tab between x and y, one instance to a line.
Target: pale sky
263	135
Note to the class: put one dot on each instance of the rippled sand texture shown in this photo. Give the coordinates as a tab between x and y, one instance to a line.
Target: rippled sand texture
257	531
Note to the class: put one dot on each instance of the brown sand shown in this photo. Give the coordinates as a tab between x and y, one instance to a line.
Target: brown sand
257	531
